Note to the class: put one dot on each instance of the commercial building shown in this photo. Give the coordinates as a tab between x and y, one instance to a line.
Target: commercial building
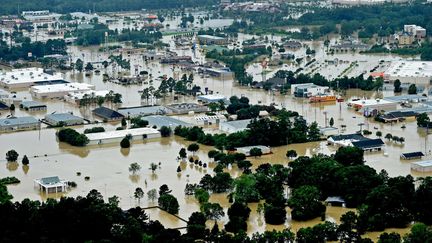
58	90
132	112
416	31
186	108
107	114
33	106
212	40
372	107
117	136
51	184
308	89
412	155
167	121
75	97
414	72
422	166
65	119
234	126
344	140
24	78
404	39
19	123
213	98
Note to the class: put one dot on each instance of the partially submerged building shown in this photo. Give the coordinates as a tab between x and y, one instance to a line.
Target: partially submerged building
246	150
63	119
32	105
308	89
158	121
107	114
51	184
118	135
132	112
422	166
234	126
19	123
58	90
24	78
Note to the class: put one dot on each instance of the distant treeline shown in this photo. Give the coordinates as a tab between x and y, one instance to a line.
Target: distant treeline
67	6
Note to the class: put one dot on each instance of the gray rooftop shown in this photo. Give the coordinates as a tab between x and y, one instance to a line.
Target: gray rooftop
59	117
239	124
400	98
32	103
143	110
167	121
50	180
16	121
426	163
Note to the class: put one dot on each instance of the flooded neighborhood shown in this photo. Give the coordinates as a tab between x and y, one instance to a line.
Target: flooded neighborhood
296	122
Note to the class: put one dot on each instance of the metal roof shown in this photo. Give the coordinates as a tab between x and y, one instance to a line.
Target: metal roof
16	121
369	143
412	155
167	121
59	117
107	113
32	103
426	163
143	110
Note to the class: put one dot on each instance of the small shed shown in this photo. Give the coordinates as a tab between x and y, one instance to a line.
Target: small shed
412	155
51	184
107	114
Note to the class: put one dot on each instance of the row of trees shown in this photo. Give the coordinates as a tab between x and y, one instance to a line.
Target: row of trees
260	132
37	49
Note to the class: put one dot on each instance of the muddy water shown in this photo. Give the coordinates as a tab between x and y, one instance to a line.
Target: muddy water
107	165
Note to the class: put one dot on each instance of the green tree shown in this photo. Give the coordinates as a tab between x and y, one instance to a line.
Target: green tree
388	136
238	213
397	86
152	195
193	147
422	200
423	120
182	153
125	143
419	233
389	238
314	132
153	167
331	122
134	168
349	156
212	211
168	203
412	89
202	195
4	194
378	134
305	203
165	131
138	194
196	228
12	156
79	65
88	67
25	160
256	152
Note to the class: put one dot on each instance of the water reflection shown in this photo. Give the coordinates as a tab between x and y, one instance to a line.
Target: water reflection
12	166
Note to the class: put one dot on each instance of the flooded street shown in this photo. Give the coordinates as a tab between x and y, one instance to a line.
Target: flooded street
107	165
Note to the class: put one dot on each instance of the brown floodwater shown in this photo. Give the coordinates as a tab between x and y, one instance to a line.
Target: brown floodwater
107	165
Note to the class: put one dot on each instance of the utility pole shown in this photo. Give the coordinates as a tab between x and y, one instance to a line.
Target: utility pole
325	118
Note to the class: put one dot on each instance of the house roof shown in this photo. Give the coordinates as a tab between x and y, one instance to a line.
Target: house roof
412	155
50	180
32	104
107	113
369	143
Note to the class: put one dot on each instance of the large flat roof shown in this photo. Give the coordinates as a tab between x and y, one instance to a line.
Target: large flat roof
371	102
67	87
28	75
143	110
410	69
211	37
78	95
238	124
426	163
121	133
59	117
167	121
16	121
